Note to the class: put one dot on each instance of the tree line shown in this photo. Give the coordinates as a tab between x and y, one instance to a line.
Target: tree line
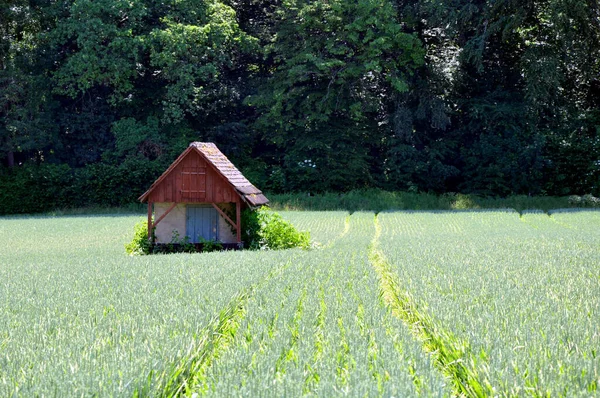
487	97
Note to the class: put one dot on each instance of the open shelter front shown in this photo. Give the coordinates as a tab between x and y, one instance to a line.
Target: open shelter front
201	196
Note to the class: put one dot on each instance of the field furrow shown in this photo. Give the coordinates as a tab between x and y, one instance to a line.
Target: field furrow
521	292
76	320
452	356
478	303
333	334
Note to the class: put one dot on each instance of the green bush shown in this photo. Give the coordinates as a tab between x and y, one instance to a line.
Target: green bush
266	230
139	245
177	245
210	245
181	244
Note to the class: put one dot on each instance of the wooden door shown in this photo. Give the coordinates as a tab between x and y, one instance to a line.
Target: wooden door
202	222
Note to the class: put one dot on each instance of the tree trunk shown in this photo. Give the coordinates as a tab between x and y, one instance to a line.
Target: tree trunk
11	159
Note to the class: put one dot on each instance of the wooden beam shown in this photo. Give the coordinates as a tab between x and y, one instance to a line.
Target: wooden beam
238	214
225	216
164	214
150	221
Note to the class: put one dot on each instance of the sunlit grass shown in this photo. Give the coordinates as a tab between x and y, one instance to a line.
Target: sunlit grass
519	292
79	317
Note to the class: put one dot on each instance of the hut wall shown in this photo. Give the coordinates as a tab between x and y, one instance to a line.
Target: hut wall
193	180
175	220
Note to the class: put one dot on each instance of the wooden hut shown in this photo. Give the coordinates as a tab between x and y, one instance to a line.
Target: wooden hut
201	196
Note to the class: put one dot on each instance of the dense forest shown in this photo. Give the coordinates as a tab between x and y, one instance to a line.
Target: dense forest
493	97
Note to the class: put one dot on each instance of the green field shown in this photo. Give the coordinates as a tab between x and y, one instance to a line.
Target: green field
479	303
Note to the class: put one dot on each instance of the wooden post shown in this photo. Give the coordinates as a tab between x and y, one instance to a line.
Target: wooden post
238	215
150	222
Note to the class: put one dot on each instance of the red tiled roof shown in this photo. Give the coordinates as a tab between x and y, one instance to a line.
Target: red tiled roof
252	195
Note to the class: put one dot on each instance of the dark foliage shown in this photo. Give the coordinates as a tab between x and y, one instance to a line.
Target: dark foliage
496	98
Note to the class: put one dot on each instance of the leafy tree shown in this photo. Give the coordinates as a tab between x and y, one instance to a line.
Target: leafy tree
421	150
26	123
339	65
515	62
164	59
494	98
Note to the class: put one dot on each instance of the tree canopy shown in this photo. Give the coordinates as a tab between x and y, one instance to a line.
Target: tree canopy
488	97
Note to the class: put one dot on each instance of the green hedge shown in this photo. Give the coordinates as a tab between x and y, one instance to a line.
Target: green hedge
47	187
34	189
379	200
